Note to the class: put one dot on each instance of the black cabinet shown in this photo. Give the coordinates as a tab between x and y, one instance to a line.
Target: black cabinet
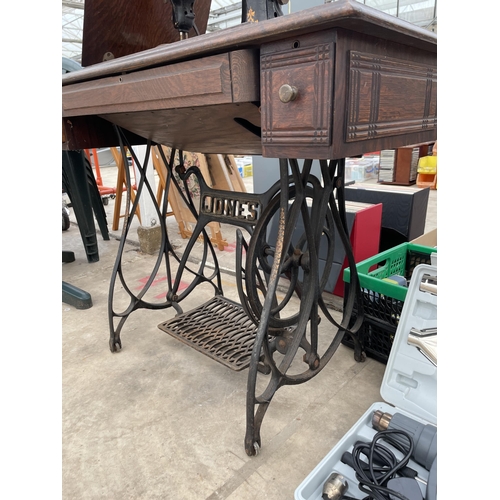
404	210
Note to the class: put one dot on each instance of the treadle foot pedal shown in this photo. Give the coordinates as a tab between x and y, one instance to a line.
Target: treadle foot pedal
219	328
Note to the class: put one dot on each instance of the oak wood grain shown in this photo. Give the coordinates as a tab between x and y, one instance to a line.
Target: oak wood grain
114	28
361	81
348	14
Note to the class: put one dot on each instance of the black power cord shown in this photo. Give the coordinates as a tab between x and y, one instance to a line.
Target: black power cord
380	464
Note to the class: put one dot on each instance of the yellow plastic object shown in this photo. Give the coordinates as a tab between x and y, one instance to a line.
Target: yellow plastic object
427	165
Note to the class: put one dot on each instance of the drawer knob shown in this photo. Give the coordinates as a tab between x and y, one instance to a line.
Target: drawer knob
288	93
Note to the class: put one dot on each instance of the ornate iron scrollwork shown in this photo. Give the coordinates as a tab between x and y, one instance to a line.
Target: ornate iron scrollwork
276	336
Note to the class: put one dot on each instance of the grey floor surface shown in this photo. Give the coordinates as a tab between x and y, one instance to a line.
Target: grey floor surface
159	420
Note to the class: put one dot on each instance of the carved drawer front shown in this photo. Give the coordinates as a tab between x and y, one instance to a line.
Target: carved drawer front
297	95
196	83
389	96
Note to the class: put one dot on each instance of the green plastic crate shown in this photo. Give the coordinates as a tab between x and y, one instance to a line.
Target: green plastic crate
399	260
383	301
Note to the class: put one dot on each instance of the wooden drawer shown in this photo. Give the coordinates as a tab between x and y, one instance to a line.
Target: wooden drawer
219	79
345	94
301	122
198	104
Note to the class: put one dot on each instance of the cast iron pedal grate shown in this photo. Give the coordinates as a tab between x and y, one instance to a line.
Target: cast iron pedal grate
219	328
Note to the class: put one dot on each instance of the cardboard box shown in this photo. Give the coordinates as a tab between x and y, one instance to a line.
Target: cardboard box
428	239
244	164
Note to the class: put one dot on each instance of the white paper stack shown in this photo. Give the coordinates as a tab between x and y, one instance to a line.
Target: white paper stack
386	169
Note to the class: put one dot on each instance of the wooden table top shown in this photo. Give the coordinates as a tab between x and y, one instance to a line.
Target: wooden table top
365	80
348	14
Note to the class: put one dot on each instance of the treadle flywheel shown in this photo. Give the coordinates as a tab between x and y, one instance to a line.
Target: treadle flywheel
219	328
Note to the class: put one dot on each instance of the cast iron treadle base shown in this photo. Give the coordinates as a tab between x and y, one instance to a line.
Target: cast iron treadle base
219	328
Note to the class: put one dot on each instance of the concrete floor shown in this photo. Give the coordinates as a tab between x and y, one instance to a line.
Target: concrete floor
160	420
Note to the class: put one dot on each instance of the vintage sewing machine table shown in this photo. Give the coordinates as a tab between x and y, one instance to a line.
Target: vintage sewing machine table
325	83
